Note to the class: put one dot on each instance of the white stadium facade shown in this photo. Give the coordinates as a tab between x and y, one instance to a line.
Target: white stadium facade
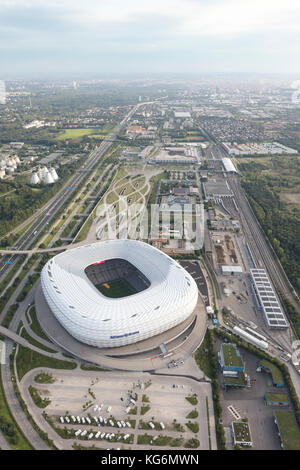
114	293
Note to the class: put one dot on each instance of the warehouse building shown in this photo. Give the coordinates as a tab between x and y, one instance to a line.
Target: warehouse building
266	299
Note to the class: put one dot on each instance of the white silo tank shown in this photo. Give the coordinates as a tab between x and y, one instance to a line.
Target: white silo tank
48	178
53	174
34	178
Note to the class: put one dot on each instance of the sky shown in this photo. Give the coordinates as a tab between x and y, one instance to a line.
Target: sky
100	38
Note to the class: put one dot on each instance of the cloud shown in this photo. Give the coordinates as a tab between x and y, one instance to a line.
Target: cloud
192	17
154	34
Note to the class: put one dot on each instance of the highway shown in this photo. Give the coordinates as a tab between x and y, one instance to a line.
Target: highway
50	209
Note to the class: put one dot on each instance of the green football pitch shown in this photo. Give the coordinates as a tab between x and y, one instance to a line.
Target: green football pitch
116	289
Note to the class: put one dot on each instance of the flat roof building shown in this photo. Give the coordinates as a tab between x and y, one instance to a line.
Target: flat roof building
267	300
231	270
230	358
228	165
241	433
288	429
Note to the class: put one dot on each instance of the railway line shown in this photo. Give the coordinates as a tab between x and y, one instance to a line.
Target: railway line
258	244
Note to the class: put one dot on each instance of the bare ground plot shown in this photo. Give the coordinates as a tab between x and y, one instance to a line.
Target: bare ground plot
294	198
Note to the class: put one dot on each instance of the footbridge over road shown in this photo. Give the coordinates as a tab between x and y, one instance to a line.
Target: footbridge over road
14	337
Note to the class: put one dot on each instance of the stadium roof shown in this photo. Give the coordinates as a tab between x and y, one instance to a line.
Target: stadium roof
169	297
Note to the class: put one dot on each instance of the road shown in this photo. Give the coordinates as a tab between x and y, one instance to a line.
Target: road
50	209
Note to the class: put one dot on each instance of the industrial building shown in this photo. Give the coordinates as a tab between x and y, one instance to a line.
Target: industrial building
117	292
241	433
276	399
266	299
252	337
272	369
231	270
228	165
233	367
288	429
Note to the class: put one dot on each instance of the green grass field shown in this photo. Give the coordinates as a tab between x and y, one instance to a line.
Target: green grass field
117	289
79	133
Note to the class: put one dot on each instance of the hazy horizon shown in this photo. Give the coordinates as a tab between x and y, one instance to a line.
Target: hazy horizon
112	38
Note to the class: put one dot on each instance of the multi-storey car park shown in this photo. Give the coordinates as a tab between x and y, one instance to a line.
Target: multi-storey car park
267	300
118	292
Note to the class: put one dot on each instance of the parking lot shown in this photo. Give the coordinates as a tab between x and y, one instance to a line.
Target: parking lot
195	271
159	399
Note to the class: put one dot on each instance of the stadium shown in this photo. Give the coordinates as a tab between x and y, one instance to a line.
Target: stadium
115	293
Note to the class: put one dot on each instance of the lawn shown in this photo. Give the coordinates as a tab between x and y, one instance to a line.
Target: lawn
78	133
28	359
116	289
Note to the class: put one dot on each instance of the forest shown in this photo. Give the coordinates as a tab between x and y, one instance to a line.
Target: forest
266	184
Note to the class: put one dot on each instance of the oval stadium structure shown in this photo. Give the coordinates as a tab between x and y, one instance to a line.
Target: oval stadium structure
118	292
